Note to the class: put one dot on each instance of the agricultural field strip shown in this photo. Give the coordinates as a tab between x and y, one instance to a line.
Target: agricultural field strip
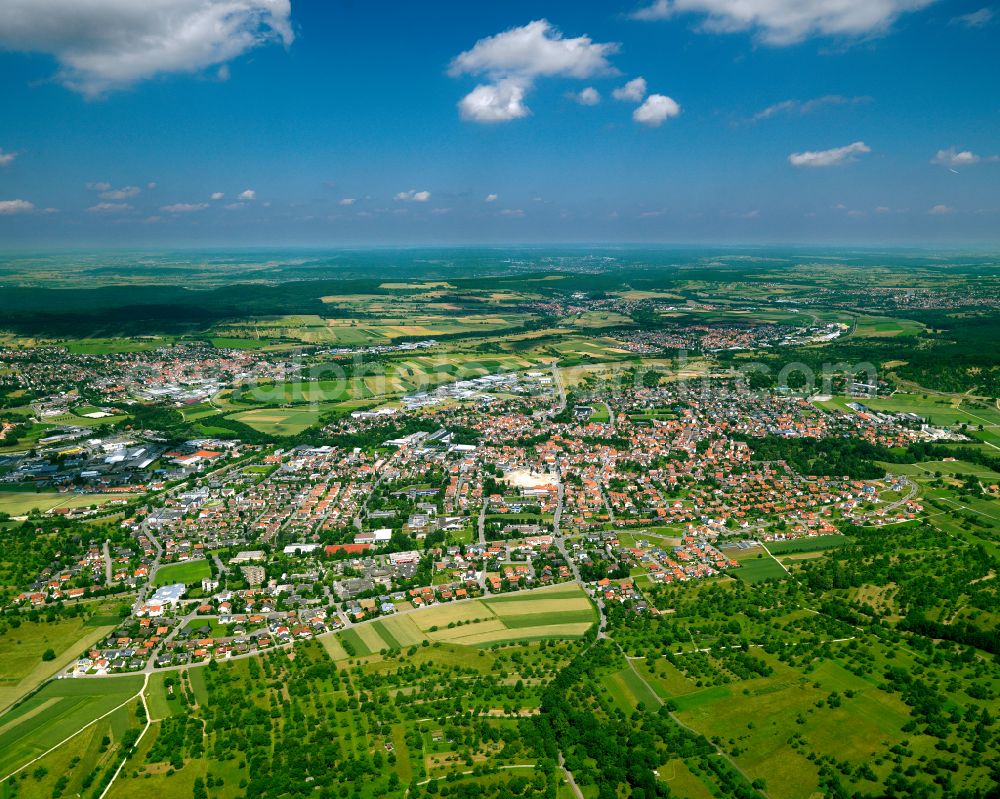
78	731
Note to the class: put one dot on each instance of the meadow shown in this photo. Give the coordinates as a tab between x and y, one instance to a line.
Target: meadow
395	746
279	421
21	649
20	503
885	327
59	709
756	565
937	409
814	544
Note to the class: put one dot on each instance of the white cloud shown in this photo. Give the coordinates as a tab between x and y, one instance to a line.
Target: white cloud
218	195
109	208
513	213
803	107
184	208
151	185
491	198
975	19
16	206
883	209
100	186
587	96
495	102
631	92
655	110
514	59
413	196
249	194
534	50
953	157
103	45
784	22
348	201
833	157
234	206
123	193
6	158
941	210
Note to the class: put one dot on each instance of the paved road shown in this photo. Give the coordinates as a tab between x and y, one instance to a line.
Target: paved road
557	377
149	723
482	520
219	565
569	777
107	563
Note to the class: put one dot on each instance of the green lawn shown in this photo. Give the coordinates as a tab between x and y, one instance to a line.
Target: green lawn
950	468
192	571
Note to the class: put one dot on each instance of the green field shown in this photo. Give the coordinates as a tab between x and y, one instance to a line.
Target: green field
951	468
754	570
19	503
21	650
560	611
938	410
106	346
885	327
192	571
279	421
816	544
856	731
58	710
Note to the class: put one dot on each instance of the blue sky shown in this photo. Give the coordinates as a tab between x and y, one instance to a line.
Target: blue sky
242	122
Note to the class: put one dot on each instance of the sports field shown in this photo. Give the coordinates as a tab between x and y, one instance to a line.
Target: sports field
191	571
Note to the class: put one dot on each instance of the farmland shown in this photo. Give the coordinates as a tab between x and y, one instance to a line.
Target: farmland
548	613
278	421
937	410
635	554
18	503
22	647
52	714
